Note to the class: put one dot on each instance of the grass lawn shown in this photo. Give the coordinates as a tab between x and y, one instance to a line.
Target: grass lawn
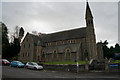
117	61
29	61
65	62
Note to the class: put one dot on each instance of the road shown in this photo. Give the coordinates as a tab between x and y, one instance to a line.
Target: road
13	72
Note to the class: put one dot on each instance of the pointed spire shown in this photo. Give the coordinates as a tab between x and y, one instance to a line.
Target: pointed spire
88	11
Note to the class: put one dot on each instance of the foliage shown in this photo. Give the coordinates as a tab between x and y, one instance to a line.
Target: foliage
21	32
5	41
10	50
109	52
117	61
14	58
14	48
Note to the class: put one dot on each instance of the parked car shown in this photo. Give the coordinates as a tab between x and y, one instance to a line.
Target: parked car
5	62
33	65
16	64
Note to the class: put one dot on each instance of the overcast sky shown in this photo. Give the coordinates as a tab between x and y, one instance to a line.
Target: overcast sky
49	17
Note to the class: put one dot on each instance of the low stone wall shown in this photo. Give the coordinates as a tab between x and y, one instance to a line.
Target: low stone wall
73	68
65	67
97	67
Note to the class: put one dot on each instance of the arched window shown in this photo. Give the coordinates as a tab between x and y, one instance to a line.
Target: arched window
55	54
68	53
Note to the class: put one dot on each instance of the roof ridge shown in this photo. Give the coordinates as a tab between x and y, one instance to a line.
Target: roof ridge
66	30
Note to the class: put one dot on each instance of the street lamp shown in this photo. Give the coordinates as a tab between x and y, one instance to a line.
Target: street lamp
77	57
86	59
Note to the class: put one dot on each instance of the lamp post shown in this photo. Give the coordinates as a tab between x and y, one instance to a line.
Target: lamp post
77	58
86	59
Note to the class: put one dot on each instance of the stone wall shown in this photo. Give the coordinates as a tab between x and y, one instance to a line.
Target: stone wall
100	51
71	68
61	51
27	49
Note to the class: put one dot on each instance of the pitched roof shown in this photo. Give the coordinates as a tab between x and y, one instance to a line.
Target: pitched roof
65	35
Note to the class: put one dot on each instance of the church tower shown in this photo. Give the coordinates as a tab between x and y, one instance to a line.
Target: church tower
90	34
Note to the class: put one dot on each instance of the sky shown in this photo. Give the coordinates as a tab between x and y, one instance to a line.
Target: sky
50	17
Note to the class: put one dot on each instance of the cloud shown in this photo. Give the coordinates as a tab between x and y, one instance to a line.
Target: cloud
49	17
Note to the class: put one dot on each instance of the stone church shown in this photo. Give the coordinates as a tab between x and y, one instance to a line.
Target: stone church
69	45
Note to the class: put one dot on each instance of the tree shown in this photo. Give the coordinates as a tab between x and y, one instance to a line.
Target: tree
117	48
105	48
16	33
5	41
14	48
10	50
109	52
21	32
15	45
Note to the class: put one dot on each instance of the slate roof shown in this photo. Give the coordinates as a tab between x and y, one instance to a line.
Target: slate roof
88	12
65	35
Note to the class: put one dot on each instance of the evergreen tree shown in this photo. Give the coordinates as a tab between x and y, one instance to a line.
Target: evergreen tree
109	52
117	48
21	32
5	41
14	48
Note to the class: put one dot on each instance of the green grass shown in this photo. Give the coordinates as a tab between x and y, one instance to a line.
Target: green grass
65	62
29	61
116	61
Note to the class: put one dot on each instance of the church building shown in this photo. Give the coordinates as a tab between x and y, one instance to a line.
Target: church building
66	45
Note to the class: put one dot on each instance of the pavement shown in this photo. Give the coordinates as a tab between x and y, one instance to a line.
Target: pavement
13	73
